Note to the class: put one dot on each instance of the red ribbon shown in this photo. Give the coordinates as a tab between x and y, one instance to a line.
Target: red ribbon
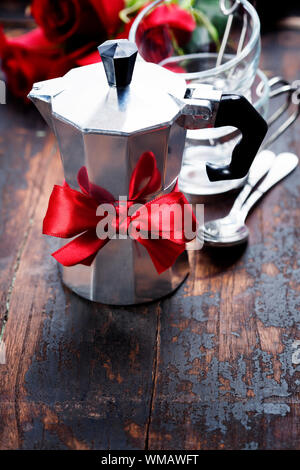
72	213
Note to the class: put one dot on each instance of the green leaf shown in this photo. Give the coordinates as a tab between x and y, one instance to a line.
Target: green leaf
211	9
202	19
131	6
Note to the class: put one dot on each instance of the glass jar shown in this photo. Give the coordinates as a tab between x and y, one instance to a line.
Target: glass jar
196	47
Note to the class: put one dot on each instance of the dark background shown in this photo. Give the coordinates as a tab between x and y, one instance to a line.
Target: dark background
269	10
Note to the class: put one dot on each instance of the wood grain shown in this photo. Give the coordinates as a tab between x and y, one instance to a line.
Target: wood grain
214	366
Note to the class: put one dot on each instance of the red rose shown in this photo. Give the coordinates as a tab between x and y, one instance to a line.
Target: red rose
58	18
26	59
155	44
161	28
90	58
154	36
180	21
31	58
108	12
63	19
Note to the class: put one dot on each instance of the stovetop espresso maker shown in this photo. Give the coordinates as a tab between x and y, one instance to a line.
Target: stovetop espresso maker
105	117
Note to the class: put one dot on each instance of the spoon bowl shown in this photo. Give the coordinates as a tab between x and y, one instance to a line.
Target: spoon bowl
227	231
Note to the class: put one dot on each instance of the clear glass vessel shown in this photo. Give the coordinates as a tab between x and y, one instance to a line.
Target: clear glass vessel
194	53
203	55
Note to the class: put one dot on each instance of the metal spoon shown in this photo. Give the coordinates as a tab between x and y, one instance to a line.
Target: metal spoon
231	230
259	168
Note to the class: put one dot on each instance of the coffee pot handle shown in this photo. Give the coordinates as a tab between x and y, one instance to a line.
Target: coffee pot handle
237	111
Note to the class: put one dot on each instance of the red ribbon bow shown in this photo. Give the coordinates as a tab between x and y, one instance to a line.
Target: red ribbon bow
72	213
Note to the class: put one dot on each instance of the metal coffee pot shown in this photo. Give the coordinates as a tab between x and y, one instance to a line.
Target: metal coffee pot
105	116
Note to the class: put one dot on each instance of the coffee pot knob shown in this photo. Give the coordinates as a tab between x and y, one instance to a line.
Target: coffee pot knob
118	57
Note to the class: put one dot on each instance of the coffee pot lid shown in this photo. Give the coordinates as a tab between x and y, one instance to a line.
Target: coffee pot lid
120	95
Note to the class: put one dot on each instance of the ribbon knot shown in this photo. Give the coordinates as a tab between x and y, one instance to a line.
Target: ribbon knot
72	213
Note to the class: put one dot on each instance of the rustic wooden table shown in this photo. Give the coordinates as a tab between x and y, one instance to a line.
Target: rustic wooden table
214	366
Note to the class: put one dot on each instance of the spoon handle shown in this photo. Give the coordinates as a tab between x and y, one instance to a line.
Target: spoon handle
284	164
259	168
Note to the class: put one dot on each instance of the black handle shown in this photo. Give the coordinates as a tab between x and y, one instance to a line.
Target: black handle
237	111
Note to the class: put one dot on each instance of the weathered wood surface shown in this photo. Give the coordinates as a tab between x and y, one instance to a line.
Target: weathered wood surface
214	366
